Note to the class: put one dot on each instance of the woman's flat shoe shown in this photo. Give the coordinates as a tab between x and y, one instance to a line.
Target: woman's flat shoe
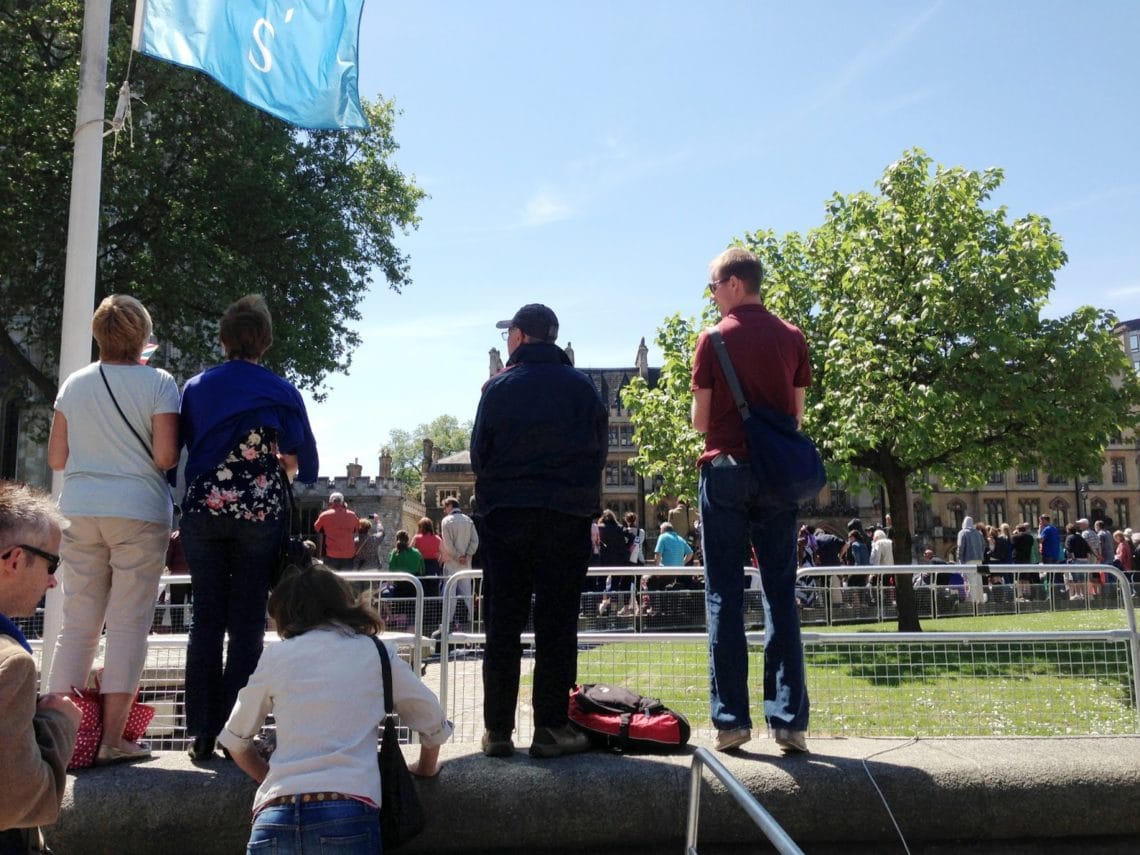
202	749
109	754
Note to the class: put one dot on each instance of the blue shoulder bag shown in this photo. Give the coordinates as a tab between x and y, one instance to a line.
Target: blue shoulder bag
786	462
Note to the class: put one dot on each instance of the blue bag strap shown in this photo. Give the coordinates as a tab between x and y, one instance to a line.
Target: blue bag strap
729	373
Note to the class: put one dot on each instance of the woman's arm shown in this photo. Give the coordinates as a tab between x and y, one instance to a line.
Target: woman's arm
253	764
57	442
427	766
164	428
290	464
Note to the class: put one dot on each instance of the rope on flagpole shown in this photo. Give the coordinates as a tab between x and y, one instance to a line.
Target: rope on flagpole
122	115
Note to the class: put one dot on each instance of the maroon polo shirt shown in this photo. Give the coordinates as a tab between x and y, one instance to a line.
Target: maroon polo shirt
770	357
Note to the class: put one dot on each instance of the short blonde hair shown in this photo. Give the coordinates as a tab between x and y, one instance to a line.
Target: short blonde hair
121	326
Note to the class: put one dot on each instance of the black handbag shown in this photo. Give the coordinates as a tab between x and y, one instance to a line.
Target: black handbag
786	462
401	814
293	552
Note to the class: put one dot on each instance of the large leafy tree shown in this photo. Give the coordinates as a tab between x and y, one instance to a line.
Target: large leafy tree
667	444
447	434
204	199
922	310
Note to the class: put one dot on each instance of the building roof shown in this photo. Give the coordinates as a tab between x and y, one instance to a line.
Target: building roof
458	462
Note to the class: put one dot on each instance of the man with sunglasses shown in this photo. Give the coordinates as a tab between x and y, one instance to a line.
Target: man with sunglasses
37	734
770	358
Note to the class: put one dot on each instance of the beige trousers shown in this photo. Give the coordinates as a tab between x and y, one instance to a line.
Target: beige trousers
109	575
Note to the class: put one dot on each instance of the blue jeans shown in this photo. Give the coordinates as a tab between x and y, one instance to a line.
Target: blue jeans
349	827
732	520
230	561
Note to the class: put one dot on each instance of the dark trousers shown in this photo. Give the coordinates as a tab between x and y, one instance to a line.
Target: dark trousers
230	562
529	551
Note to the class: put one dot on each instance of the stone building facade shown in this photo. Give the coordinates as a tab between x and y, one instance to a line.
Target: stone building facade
623	490
364	495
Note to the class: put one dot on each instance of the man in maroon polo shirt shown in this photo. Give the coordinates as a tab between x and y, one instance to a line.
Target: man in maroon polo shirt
770	358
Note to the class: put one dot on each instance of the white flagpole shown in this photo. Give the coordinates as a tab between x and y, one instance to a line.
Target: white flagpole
82	238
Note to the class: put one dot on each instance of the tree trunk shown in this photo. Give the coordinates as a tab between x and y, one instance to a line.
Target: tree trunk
901	523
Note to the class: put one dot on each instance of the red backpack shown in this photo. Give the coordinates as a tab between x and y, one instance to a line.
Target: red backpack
616	718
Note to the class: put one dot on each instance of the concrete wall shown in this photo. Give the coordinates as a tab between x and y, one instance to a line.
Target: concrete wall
975	790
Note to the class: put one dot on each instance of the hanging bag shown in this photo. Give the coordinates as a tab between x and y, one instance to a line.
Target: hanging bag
786	462
293	552
90	733
401	814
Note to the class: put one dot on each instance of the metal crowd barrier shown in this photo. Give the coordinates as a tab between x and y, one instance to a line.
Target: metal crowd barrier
678	681
450	638
703	758
163	679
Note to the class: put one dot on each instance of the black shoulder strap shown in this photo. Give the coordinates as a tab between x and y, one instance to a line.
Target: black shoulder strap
130	427
729	373
386	668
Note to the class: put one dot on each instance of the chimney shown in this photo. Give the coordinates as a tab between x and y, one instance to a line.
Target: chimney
355	470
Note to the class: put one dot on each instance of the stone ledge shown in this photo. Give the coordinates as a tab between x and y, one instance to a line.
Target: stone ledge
938	789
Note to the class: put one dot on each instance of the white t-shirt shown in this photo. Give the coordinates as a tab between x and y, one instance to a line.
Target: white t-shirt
108	473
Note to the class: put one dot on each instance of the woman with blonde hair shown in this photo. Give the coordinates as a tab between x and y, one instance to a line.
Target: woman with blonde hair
114	434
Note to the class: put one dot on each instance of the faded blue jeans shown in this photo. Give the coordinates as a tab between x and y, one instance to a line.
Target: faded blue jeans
348	827
733	520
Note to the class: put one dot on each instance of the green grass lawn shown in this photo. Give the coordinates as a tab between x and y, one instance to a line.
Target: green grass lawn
926	689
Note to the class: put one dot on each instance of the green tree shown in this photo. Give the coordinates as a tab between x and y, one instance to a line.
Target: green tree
930	357
205	199
667	444
922	311
447	433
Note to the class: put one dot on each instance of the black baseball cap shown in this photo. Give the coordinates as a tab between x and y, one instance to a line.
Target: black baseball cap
534	319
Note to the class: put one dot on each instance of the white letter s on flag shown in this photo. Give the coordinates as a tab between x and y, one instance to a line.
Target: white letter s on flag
266	63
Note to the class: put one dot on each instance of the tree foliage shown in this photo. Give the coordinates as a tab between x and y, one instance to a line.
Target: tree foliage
667	444
930	357
447	433
205	199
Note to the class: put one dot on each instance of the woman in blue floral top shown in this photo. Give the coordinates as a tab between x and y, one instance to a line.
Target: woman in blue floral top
245	430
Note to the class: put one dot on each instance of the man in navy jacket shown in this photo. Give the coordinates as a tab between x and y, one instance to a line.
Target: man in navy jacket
538	448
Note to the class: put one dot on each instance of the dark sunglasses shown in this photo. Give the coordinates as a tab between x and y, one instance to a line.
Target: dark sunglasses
51	559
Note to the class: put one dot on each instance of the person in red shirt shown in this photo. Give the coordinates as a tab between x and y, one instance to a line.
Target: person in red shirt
770	358
337	528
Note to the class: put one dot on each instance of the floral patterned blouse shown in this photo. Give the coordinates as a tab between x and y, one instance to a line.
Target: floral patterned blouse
245	485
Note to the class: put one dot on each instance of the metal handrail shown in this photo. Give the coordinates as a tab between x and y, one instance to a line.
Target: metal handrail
775	833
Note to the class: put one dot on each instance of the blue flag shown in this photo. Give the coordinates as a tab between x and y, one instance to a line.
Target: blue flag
296	59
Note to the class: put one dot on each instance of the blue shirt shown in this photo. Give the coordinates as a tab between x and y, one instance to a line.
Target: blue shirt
222	404
1050	542
672	549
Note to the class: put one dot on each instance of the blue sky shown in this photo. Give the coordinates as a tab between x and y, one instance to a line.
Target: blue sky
594	156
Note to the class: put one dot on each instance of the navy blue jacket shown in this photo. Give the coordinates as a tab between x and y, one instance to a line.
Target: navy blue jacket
540	435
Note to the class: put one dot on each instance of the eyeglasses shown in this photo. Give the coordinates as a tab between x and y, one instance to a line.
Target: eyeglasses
51	559
712	286
507	333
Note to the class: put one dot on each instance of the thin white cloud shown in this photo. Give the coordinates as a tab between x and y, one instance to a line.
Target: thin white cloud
901	101
441	325
1125	291
871	56
1098	198
615	164
546	206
